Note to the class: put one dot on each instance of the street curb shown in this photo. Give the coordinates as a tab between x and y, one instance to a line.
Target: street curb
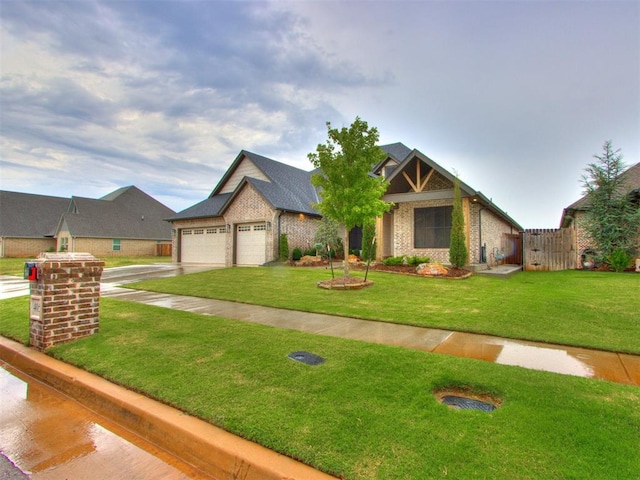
209	448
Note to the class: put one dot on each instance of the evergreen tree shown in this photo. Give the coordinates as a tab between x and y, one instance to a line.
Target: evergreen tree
368	236
458	254
612	219
284	247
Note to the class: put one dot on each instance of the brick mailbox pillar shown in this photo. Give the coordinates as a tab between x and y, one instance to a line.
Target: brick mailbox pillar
65	298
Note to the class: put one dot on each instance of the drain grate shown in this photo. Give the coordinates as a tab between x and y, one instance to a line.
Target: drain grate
306	357
464	403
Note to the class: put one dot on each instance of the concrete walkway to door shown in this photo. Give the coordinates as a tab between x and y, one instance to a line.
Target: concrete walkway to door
615	367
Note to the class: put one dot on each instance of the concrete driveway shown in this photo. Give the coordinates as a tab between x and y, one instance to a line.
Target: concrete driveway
111	277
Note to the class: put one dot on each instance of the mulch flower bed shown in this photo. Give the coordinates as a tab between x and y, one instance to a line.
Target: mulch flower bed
354	283
345	283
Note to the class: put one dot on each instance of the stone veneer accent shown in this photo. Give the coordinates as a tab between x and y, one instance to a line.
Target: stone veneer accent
65	299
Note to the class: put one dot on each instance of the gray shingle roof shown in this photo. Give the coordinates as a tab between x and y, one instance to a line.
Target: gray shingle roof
117	215
290	188
25	215
630	181
126	213
398	151
211	207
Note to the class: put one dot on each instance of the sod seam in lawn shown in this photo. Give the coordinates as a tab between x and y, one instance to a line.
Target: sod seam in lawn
587	309
369	411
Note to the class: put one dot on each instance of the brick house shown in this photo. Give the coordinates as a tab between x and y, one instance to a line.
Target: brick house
258	199
573	216
125	222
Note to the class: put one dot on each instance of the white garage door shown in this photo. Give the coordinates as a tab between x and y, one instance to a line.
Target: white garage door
203	245
251	241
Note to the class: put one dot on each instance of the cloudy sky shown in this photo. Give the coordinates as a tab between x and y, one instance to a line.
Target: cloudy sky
514	96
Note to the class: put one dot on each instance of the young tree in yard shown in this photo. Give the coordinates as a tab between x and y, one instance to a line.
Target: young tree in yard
327	234
612	219
458	246
348	193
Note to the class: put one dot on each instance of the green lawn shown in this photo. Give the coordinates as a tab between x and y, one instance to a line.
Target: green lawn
367	413
15	266
589	309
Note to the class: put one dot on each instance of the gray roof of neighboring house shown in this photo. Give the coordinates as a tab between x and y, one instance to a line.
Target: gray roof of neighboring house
630	181
116	215
25	215
126	213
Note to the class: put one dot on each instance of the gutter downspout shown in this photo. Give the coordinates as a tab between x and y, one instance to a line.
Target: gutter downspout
480	234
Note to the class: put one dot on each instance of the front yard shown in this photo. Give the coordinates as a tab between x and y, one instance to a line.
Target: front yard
588	309
368	412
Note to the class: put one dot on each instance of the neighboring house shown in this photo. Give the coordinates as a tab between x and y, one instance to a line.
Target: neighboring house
28	223
125	222
258	199
574	215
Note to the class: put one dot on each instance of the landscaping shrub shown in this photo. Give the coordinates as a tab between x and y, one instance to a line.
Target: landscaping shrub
297	254
393	261
284	247
416	260
619	260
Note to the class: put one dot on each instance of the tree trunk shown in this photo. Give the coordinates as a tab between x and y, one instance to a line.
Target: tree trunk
345	242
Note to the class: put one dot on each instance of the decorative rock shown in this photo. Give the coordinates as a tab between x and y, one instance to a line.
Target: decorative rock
432	269
307	260
353	259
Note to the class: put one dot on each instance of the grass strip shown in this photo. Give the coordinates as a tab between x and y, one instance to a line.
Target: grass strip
15	266
588	309
369	411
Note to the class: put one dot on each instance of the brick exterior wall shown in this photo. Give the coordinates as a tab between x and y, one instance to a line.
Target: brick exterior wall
300	229
493	229
403	231
65	299
25	247
250	207
582	238
103	247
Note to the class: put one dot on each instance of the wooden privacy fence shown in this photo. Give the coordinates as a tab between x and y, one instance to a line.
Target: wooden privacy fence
549	249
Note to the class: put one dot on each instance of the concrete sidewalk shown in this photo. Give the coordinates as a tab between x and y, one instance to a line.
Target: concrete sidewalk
611	366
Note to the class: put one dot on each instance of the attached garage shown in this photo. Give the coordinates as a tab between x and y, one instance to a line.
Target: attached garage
203	245
251	244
